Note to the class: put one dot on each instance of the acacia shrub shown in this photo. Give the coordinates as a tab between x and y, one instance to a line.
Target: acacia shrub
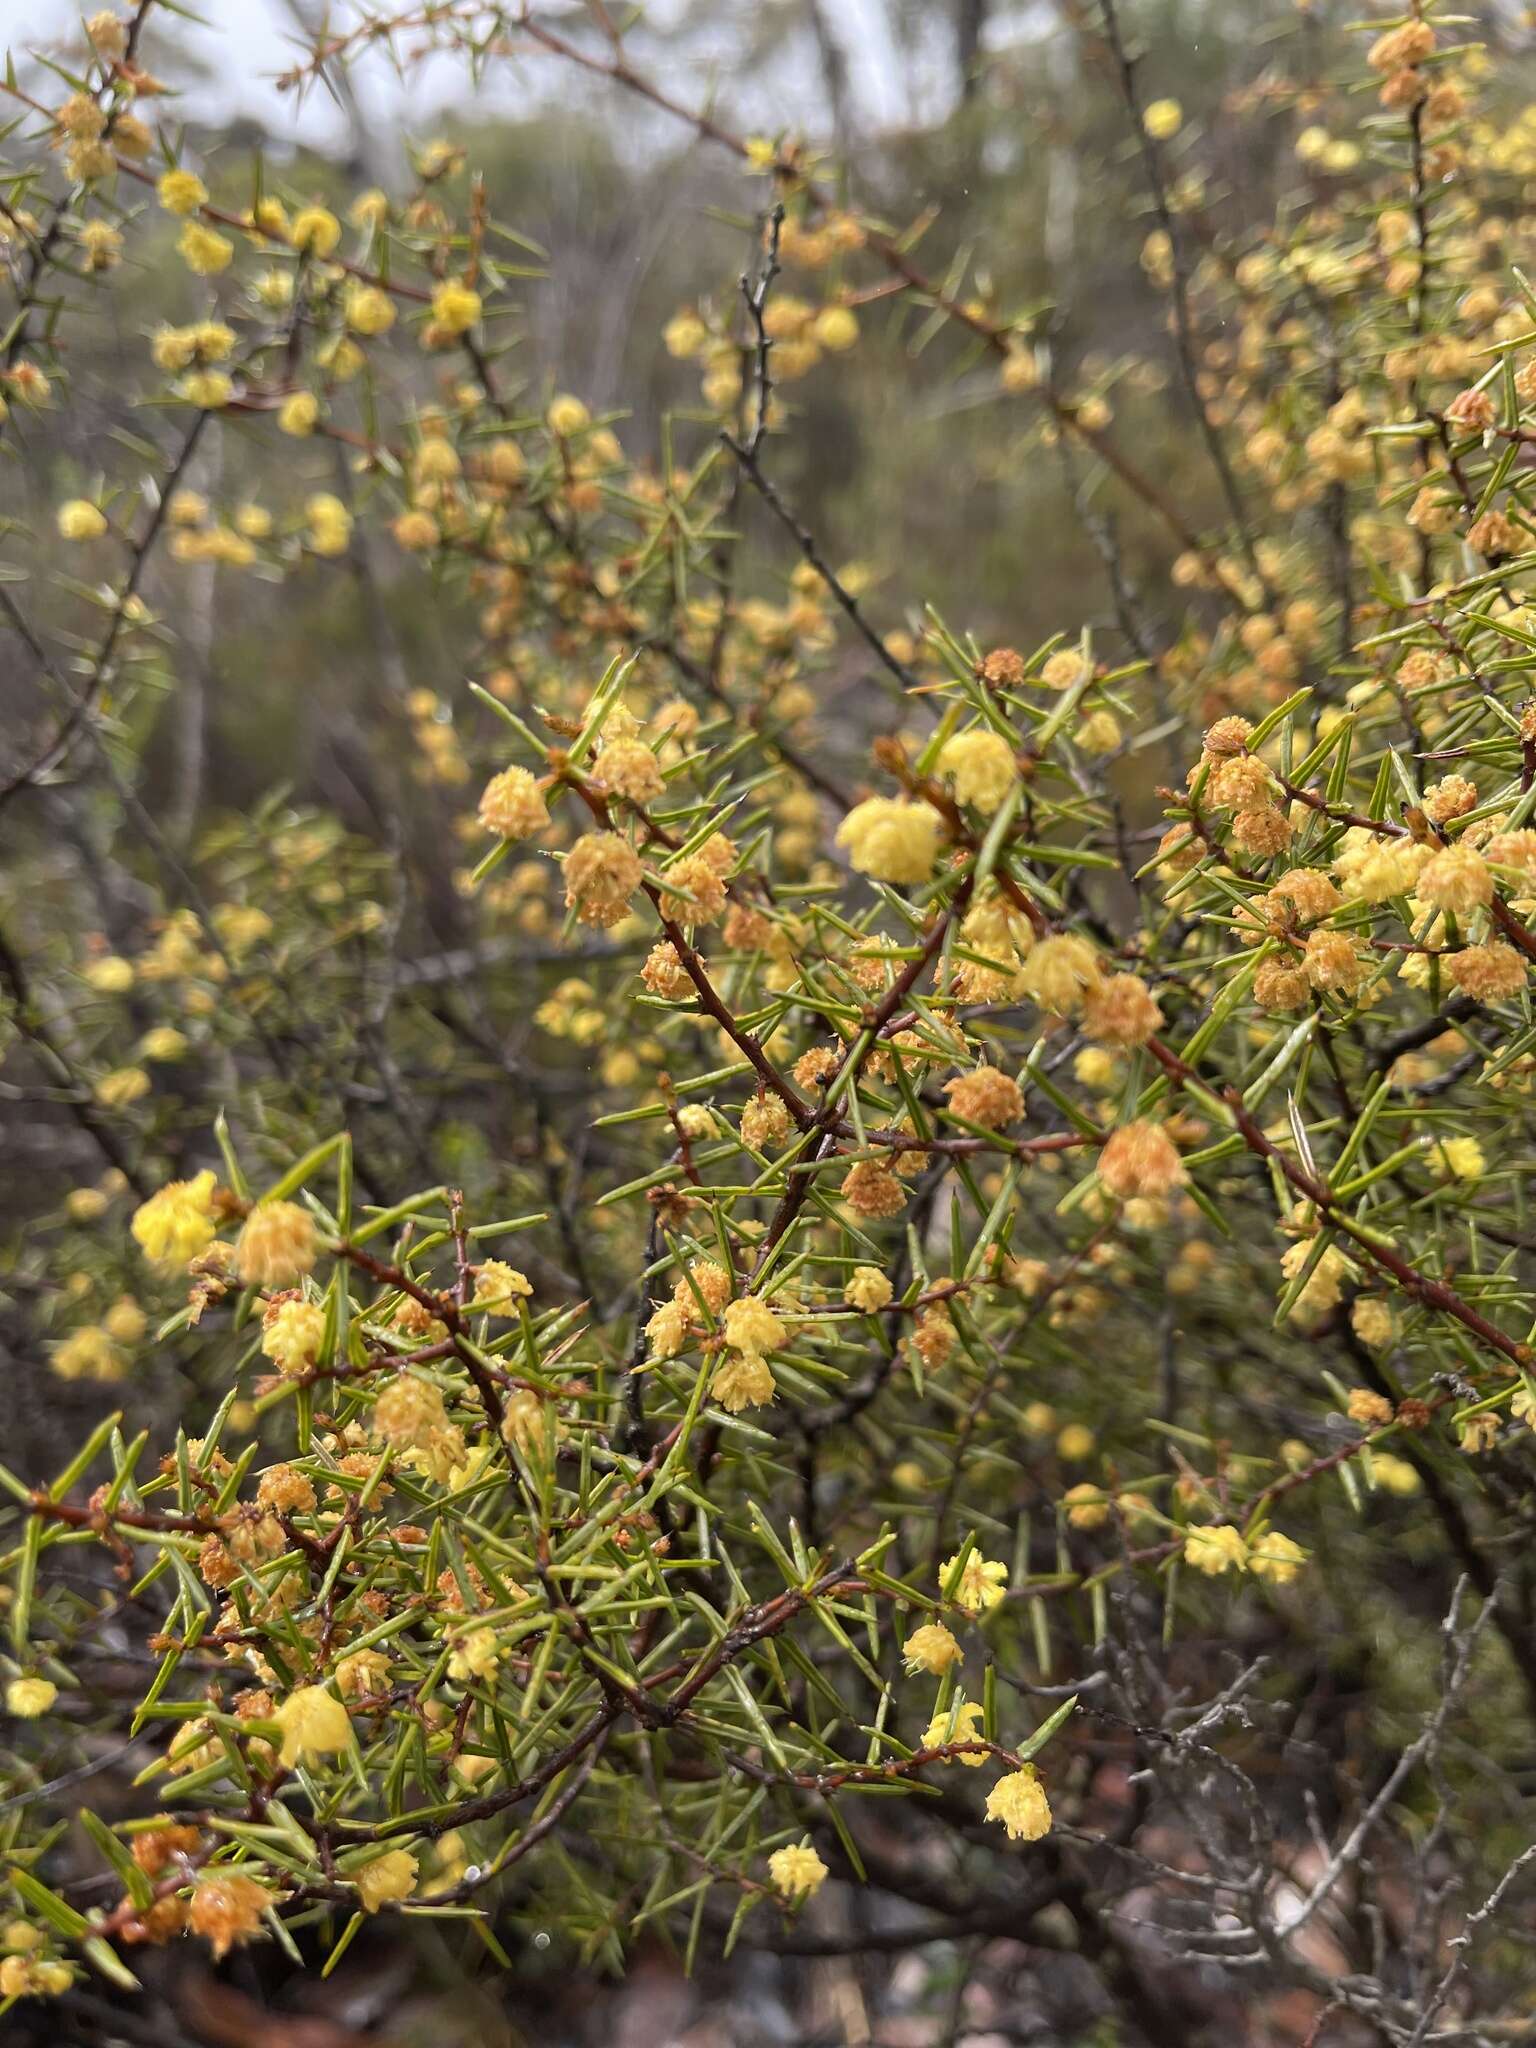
852	1398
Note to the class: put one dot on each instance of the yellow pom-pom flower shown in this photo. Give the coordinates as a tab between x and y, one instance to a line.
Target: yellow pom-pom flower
314	1723
797	1871
79	519
176	1223
1019	1802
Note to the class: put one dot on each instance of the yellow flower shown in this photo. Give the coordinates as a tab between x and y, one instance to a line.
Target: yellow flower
1140	1159
1075	1443
1325	1284
982	1583
1216	1550
125	1321
181	192
667	1331
1162	119
1276	1557
1396	1474
204	252
498	1287
109	976
368	309
1059	973
291	1335
797	1871
89	1354
385	1880
330	524
176	1223
1087	1506
123	1086
207	389
315	231
314	1723
891	840
743	1382
409	1413
1456	879
931	1648
298	413
868	1290
455	307
277	1245
79	519
602	871
512	804
269	216
1460	1158
959	1723
836	328
27	1698
685	335
567	415
226	1909
476	1655
107	33
752	1328
982	767
165	1042
1019	1802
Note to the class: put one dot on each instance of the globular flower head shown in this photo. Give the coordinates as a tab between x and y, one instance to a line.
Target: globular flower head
892	840
1275	1557
1457	879
1140	1159
499	1288
987	1097
181	192
30	1698
386	1880
455	307
315	231
292	1331
176	1223
1121	1010
743	1381
409	1413
226	1909
314	1723
1059	973
204	251
278	1245
602	872
982	1583
752	1328
982	767
1324	1284
871	1189
868	1290
79	519
1019	1802
1490	973
628	768
1216	1549
512	805
797	1871
960	1722
931	1648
